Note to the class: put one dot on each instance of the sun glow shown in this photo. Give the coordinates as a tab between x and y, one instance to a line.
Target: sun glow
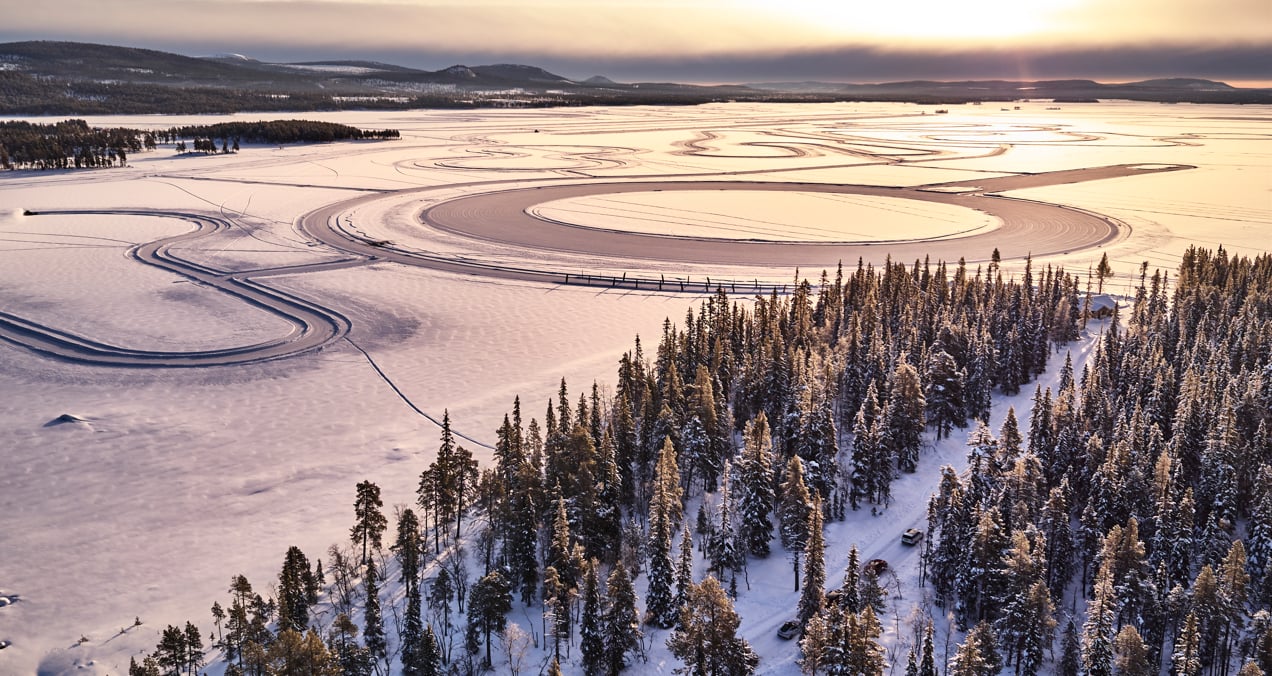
926	20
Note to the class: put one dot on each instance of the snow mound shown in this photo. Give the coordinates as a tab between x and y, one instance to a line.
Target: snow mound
66	419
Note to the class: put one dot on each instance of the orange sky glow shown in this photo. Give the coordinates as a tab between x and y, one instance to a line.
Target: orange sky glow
638	29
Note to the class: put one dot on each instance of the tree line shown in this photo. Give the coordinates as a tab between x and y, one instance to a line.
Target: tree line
70	144
1131	488
279	131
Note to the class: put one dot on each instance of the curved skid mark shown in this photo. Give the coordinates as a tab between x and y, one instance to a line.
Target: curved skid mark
313	326
1029	228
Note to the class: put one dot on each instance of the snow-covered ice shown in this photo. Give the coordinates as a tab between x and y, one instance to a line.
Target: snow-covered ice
181	478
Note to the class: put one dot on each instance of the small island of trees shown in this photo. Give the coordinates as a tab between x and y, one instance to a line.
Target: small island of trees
73	144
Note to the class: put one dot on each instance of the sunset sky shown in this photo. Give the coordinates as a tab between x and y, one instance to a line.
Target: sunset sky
699	40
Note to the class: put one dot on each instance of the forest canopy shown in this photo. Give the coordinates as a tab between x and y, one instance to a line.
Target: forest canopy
73	144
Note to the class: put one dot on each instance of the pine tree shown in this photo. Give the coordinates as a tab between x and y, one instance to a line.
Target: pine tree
814	646
591	634
373	632
1070	652
297	653
1130	656
927	659
429	661
813	595
944	382
723	547
369	521
706	637
968	660
755	488
905	419
1186	660
982	578
794	506
866	656
351	658
293	591
665	509
684	570
556	609
1098	632
170	653
490	601
409	550
621	621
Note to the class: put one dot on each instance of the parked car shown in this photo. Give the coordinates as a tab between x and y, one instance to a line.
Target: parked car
911	536
788	630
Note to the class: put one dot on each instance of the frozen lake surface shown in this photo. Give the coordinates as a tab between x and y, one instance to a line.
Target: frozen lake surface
179	478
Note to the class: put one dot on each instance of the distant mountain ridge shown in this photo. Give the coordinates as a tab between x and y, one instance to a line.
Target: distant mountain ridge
72	78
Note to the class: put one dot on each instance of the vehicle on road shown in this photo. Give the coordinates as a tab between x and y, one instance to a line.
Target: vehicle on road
788	630
911	536
876	566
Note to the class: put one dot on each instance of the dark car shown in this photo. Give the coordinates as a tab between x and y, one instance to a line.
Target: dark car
876	566
788	630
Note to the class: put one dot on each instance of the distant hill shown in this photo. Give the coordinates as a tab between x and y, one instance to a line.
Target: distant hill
71	78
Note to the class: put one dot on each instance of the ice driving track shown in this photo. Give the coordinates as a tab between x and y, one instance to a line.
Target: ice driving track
313	326
504	216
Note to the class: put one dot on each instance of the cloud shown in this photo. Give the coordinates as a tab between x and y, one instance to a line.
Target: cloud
697	40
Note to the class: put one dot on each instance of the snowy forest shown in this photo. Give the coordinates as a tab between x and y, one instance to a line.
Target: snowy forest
1122	526
72	144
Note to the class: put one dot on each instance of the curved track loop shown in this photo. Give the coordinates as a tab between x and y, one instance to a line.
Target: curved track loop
1029	228
313	326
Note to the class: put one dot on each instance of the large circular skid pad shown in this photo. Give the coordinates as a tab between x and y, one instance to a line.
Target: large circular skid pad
507	217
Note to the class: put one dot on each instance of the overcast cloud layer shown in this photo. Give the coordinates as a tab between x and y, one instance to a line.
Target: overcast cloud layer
699	40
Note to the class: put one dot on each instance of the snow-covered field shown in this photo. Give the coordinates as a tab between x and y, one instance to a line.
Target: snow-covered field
181	478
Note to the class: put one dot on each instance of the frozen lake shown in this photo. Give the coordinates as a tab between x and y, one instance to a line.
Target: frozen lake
180	478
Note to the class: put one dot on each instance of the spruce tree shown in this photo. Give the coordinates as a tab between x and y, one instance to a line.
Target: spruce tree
684	570
755	489
905	418
373	632
927	656
409	550
591	633
664	511
794	507
621	621
1070	652
850	592
430	655
293	591
1098	632
724	550
490	601
1186	660
814	646
813	595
